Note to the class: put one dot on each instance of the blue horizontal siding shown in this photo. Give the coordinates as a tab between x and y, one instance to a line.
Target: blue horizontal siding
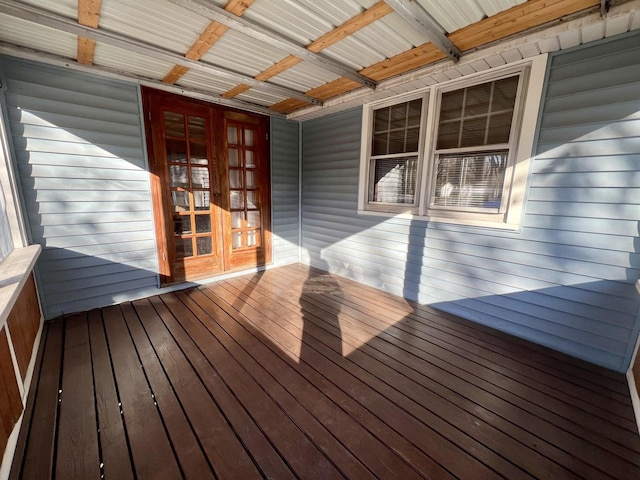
285	191
567	279
78	144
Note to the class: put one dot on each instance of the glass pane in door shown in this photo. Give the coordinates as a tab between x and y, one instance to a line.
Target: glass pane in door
189	174
243	186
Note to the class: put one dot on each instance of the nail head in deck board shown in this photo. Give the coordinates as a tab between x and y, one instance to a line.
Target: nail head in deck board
227	455
77	446
152	454
189	454
38	460
306	404
304	458
269	460
113	442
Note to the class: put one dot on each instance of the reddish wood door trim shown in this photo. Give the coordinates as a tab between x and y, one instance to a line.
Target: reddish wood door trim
170	218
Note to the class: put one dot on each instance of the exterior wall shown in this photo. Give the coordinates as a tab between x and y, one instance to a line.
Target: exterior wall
78	144
80	161
285	191
567	279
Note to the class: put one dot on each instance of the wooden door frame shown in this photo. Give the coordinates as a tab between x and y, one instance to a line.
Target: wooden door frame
160	201
243	257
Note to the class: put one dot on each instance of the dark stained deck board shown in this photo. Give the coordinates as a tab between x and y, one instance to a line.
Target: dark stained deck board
545	429
193	463
471	340
250	435
308	406
39	455
294	373
485	434
386	409
114	446
351	407
488	435
293	443
151	448
77	446
506	382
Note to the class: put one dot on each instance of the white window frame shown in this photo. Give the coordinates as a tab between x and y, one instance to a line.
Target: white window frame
366	182
520	146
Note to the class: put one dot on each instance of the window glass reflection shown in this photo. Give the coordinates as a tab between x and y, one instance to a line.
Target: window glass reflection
201	200
184	247
180	201
197	127
203	223
204	245
182	225
173	124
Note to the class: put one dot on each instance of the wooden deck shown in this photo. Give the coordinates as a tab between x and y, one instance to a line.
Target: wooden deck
294	373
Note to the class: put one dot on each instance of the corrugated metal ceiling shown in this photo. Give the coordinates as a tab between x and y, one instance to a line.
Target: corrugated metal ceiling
356	34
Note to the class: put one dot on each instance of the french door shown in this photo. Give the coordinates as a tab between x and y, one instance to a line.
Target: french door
210	187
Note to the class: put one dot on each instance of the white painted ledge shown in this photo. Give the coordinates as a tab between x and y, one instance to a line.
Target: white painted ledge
14	272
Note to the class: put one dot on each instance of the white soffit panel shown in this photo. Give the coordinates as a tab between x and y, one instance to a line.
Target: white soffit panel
170	26
260	98
131	62
304	76
45	39
336	11
289	18
240	53
67	8
203	81
456	14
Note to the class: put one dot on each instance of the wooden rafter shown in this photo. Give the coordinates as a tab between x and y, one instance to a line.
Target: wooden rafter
279	67
265	75
207	39
88	15
515	20
351	26
372	14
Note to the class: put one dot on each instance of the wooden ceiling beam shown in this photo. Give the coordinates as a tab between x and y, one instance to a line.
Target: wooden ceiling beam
366	18
516	20
89	16
265	75
89	12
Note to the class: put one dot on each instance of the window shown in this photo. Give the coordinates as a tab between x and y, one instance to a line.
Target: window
394	152
456	152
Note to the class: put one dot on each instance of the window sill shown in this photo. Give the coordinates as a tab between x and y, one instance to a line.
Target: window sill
469	222
15	269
